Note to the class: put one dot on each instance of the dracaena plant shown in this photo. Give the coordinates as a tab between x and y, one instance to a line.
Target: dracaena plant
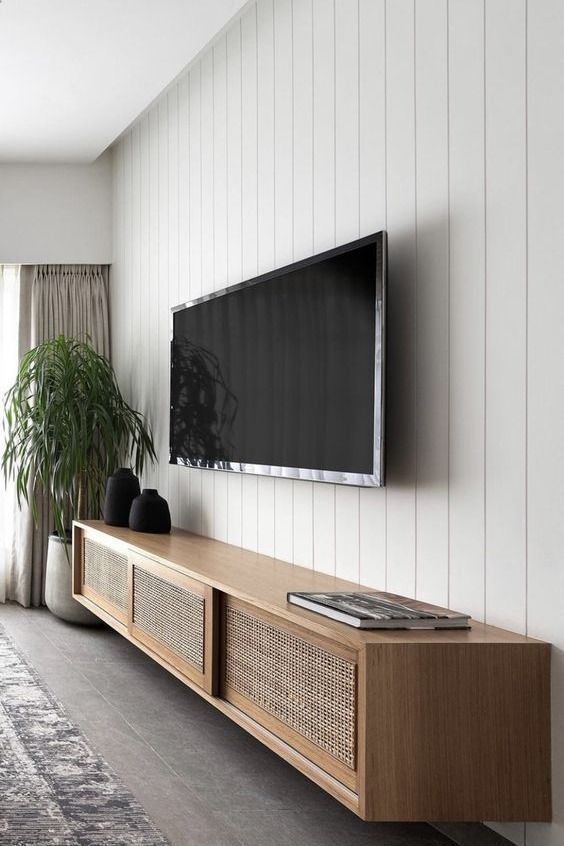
67	427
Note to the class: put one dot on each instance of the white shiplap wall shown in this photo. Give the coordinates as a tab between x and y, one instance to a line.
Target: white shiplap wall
309	123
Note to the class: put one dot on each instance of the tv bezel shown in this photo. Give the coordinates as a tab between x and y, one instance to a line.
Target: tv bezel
377	477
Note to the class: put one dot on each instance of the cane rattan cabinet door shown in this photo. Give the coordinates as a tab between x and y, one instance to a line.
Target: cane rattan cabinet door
172	615
103	574
359	713
298	686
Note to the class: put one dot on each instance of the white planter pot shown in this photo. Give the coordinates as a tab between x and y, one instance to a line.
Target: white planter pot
58	586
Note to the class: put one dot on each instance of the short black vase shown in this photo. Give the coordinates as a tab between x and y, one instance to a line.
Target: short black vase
150	513
121	489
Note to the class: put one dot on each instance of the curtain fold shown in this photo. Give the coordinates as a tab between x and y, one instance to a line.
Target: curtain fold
19	577
15	324
69	300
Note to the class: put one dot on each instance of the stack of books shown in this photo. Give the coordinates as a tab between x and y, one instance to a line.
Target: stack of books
378	610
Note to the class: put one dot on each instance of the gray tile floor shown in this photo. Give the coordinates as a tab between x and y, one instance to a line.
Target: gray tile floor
203	780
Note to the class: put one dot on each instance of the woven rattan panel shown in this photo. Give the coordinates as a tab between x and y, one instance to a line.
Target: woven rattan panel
171	614
105	572
310	690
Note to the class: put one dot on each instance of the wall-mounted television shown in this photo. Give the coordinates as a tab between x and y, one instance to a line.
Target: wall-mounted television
283	375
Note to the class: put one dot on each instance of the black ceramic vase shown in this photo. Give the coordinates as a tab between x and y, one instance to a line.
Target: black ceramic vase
121	489
150	513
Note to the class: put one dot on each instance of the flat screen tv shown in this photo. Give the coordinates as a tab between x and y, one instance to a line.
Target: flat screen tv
283	375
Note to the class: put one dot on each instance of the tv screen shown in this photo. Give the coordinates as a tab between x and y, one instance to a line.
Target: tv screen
284	374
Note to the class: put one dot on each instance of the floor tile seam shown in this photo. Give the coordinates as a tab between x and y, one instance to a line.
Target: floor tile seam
123	718
97	690
132	727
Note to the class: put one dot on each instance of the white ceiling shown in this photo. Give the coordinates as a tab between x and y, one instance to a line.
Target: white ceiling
75	73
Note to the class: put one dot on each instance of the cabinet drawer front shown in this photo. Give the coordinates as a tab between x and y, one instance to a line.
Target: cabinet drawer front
301	685
170	614
104	573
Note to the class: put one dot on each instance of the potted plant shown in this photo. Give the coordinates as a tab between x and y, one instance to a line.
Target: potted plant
67	428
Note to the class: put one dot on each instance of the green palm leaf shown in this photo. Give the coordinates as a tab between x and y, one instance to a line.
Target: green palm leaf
67	428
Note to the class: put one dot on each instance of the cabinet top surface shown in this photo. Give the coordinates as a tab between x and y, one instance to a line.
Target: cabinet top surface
265	582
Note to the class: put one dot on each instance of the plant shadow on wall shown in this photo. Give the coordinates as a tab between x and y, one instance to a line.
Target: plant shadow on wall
204	410
67	429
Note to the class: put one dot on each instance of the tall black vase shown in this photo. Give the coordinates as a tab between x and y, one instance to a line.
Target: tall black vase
150	513
121	489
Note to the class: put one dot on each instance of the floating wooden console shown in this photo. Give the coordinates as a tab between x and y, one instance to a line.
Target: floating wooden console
396	725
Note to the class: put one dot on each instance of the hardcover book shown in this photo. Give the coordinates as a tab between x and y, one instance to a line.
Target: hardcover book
379	610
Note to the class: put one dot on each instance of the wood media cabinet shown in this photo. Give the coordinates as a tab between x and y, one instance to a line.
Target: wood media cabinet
396	725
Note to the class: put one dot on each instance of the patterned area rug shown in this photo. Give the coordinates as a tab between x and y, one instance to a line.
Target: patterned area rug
54	790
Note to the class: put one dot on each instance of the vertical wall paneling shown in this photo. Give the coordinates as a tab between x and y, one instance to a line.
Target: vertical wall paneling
372	218
145	328
234	508
372	537
303	224
302	121
219	144
152	336
324	528
162	353
432	298
127	255
234	156
372	115
209	151
135	268
234	227
347	224
195	249
220	504
265	517
195	174
347	221
266	228
220	164
117	290
347	534
184	476
249	512
506	317
283	519
144	258
265	141
249	145
323	14
249	222
303	523
173	196
208	502
304	125
467	304
173	249
195	522
283	133
283	219
208	202
401	370
184	123
324	236
545	444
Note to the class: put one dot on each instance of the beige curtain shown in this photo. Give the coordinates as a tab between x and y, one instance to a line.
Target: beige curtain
17	527
15	325
69	300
